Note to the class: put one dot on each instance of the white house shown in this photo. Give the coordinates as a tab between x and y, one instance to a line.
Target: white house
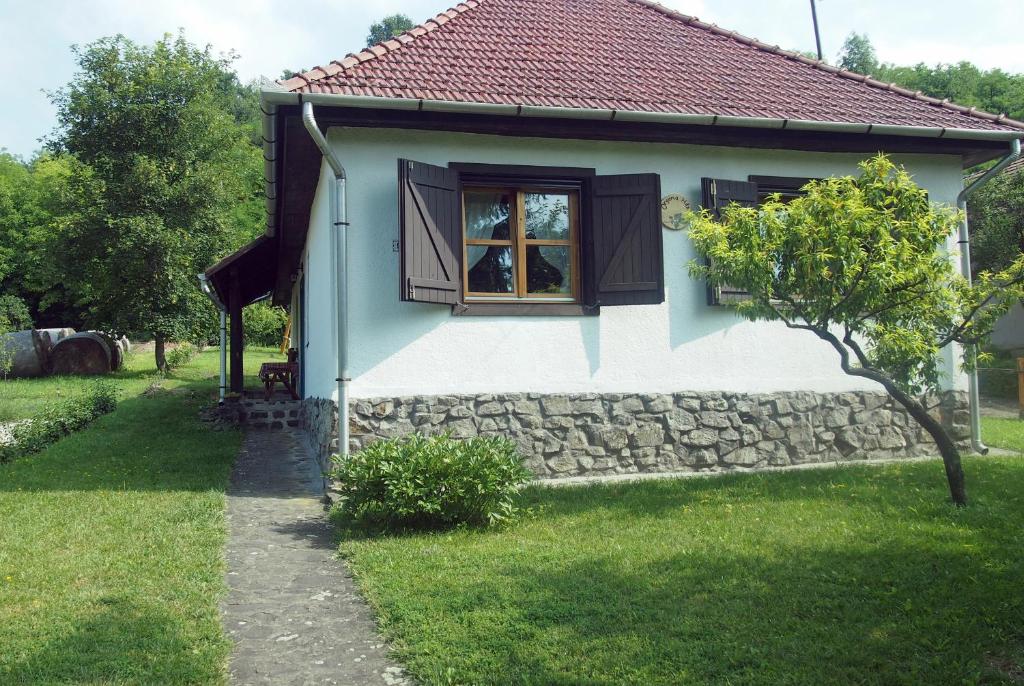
466	224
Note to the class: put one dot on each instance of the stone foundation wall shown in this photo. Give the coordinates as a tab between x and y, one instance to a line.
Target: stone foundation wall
588	434
257	413
319	417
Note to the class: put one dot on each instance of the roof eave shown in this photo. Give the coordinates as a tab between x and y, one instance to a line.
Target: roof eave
273	97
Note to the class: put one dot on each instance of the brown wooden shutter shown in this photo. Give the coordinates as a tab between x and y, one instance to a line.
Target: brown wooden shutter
623	241
430	234
716	194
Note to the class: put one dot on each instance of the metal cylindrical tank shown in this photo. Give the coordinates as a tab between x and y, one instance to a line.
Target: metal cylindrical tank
81	353
27	352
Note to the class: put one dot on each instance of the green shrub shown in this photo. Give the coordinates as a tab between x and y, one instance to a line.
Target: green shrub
263	324
59	420
433	482
180	355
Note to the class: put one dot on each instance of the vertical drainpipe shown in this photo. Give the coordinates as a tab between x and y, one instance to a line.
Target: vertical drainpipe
204	284
964	242
339	273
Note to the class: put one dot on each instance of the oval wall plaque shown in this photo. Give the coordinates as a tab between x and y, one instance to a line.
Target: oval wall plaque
673	212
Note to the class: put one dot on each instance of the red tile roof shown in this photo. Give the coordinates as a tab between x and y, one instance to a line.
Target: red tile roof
626	55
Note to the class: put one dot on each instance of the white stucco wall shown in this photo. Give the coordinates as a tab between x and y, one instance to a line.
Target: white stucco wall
320	344
414	348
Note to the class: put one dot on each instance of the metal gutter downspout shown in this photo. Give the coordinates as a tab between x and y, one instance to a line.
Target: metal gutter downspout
964	242
339	273
204	284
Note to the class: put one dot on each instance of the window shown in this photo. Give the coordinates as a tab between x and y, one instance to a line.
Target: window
504	239
789	187
717	194
520	243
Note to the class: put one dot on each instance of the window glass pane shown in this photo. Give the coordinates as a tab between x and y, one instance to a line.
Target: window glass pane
548	269
487	214
547	216
490	268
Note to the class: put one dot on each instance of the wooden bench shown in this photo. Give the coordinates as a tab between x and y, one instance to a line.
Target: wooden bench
272	373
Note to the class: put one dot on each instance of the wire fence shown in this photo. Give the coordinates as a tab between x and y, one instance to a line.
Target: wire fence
999	382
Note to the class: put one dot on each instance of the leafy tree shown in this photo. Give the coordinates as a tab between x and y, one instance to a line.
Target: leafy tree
29	198
387	28
162	177
858	55
17	202
860	263
963	83
14	314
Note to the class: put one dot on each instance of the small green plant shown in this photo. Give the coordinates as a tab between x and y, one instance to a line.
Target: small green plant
6	353
180	355
57	421
430	482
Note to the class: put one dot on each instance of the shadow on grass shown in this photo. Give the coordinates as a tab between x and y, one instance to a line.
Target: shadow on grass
122	641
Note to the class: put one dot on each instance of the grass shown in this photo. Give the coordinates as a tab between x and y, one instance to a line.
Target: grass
1003	433
111	540
853	575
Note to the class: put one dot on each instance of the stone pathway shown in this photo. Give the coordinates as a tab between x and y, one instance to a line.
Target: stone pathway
292	608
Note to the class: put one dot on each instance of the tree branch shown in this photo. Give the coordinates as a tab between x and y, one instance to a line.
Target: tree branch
853	287
958	330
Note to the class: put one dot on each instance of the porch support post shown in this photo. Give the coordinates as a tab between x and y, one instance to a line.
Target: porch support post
235	310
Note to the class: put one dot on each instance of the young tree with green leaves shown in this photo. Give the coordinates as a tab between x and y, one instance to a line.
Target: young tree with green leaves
860	262
387	28
164	181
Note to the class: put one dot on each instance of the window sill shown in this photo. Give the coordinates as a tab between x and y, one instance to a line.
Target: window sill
521	309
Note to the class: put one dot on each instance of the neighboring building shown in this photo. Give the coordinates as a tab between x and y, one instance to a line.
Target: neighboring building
1009	330
507	269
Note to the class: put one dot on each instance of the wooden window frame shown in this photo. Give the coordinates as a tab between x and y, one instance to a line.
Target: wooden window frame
519	243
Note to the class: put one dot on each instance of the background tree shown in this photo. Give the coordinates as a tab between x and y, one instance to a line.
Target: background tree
165	179
963	83
860	263
858	55
996	214
387	28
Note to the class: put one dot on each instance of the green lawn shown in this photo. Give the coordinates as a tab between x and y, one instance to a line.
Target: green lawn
852	575
111	541
1003	433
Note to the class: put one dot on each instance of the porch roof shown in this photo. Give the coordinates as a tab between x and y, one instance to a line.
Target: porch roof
256	267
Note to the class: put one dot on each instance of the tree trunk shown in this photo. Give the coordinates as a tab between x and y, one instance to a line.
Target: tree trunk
947	448
161	353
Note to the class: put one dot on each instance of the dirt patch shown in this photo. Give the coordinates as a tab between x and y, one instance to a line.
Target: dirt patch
1010	669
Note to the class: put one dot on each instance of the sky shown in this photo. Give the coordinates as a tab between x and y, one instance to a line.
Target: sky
272	35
